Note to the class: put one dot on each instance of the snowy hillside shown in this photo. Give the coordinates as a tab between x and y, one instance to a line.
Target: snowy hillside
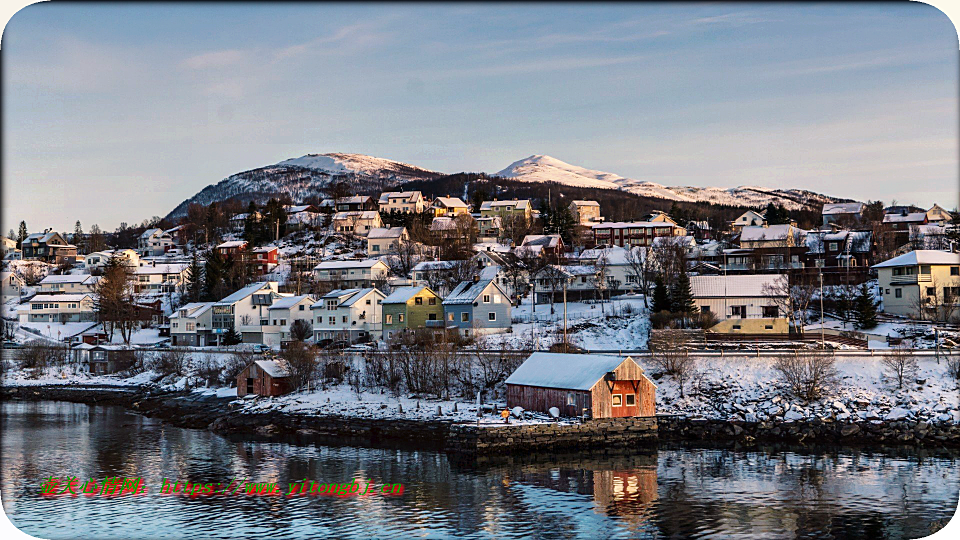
539	168
305	176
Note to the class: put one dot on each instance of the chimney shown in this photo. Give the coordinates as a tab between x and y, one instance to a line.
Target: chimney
476	278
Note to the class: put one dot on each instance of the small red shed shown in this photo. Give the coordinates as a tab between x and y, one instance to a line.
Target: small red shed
606	386
265	378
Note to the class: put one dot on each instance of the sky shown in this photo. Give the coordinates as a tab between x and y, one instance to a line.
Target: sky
118	112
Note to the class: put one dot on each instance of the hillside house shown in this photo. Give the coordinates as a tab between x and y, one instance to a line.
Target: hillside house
264	259
68	283
192	325
750	218
265	378
586	213
357	203
281	315
8	246
936	215
159	278
302	216
896	226
348	316
352	274
411	308
490	227
521	208
449	207
58	308
154	242
548	246
620	274
748	304
591	385
49	247
358	223
843	257
13	284
477	307
232	248
98	259
632	234
386	240
574	282
771	236
844	213
247	308
403	202
921	284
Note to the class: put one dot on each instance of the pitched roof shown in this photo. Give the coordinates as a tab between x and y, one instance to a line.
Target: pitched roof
632	224
545	240
232	243
466	292
69	278
335	265
921	256
288	302
359	214
150	232
169	268
842	208
402	295
59	297
275	368
911	217
194	309
758	285
564	371
423	266
450	202
586	203
245	292
386	232
516	204
408	196
755	233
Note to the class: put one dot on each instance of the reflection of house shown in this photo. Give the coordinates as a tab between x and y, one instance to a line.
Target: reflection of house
478	306
58	308
351	315
926	278
352	274
603	386
265	378
586	212
746	304
191	325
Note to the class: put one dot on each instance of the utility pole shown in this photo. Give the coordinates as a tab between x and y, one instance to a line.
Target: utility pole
278	231
565	315
822	346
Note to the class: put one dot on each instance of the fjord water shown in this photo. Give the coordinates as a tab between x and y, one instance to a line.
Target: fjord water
678	491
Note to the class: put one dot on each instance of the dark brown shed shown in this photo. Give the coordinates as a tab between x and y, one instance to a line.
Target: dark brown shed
606	386
265	378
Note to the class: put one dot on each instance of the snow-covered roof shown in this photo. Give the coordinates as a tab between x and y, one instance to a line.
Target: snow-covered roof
356	199
545	240
586	203
747	286
853	241
358	296
614	256
572	270
386	232
425	266
564	371
408	196
150	232
265	249
921	256
245	292
755	233
290	301
491	246
358	214
402	295
466	292
632	224
912	217
41	237
340	265
275	368
684	241
194	309
69	278
449	202
842	208
169	268
443	223
297	208
516	204
59	297
232	244
6	275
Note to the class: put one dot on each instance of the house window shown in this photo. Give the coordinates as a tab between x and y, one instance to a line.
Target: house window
736	327
486	299
898	293
450	317
368	301
432	317
389	319
400	317
301	307
704	309
770	312
738	311
432	301
931	291
418	301
617	400
464	317
955	270
768	327
631	399
344	318
833	246
492	316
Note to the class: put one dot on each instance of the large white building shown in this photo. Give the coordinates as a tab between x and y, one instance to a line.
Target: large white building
350	315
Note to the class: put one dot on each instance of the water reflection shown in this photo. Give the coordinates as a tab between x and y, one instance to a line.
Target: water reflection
675	492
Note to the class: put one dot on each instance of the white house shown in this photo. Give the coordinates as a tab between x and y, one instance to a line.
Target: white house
350	315
579	281
358	274
98	259
192	325
280	318
59	308
245	310
154	242
68	283
383	240
404	202
13	283
922	283
160	278
356	222
736	298
750	218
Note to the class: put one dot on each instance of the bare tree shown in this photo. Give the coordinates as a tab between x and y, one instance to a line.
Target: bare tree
302	362
900	364
600	279
807	374
301	330
793	299
670	353
638	265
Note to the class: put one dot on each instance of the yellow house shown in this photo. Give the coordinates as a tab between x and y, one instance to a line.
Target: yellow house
449	206
411	308
924	283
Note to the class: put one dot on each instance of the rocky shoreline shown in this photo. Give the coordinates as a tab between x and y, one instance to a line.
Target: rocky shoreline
184	409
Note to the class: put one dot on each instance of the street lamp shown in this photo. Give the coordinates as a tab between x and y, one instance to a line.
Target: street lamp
822	346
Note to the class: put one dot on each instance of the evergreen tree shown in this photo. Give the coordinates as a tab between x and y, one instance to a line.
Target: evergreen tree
274	217
215	276
78	236
661	300
866	309
564	224
253	231
22	234
681	296
232	337
193	281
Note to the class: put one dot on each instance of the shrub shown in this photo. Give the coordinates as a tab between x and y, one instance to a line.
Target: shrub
807	374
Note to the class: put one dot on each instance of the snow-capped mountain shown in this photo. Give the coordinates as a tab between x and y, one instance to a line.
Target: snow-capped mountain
306	176
539	168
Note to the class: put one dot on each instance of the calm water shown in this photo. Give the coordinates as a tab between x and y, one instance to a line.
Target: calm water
677	492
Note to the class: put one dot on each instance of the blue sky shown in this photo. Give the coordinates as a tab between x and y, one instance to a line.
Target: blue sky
119	112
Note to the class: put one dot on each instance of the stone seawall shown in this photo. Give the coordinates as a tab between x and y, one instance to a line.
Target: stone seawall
886	432
470	439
